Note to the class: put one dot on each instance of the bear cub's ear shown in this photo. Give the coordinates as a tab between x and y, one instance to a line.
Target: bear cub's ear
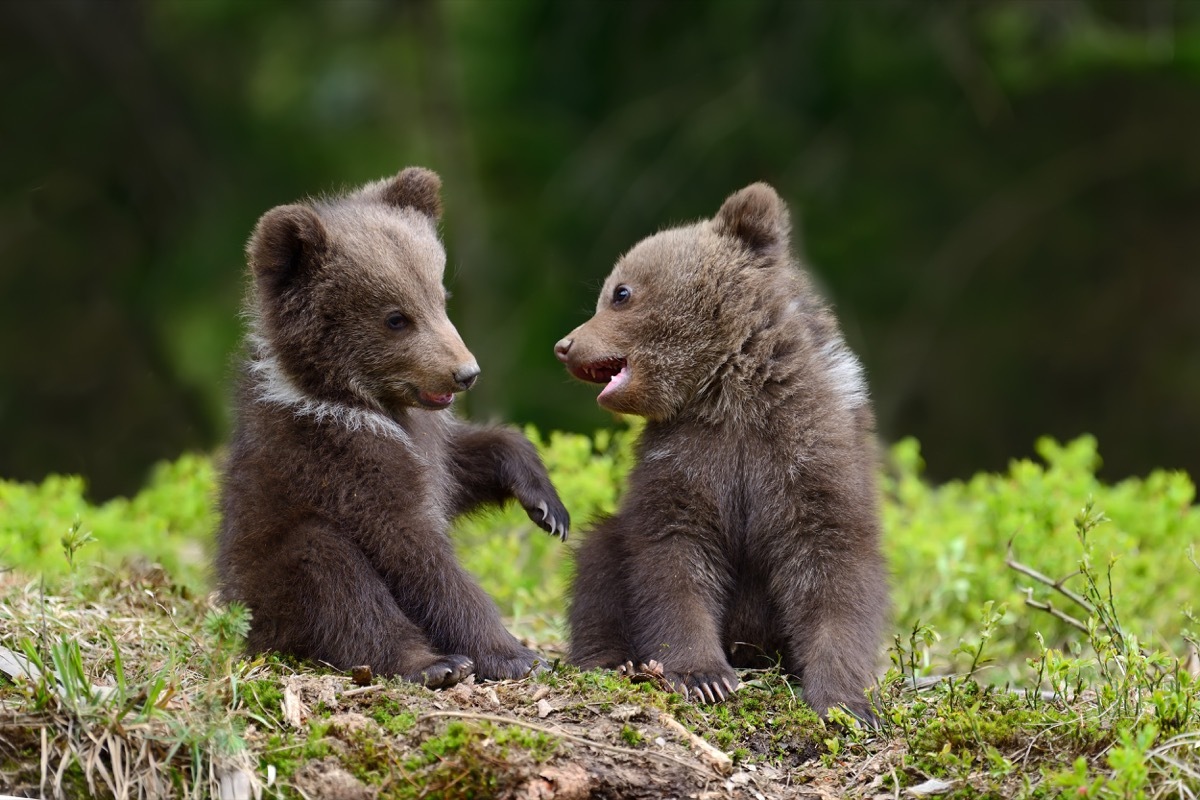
756	215
415	187
288	242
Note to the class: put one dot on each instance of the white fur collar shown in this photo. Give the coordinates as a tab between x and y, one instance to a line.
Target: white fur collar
845	373
274	387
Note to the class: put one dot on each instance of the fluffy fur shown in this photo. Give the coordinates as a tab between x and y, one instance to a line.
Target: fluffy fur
343	472
749	531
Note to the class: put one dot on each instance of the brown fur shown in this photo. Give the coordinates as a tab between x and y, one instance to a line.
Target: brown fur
342	476
749	531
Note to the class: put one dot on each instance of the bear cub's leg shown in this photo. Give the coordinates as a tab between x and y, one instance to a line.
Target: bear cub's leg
461	618
677	594
492	465
597	612
341	611
830	628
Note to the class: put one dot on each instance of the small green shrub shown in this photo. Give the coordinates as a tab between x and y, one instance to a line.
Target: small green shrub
170	522
948	546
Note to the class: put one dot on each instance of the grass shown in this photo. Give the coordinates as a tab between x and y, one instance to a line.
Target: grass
1044	647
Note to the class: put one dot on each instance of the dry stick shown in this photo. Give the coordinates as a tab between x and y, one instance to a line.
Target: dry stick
564	735
45	759
1064	591
716	759
1054	612
1048	581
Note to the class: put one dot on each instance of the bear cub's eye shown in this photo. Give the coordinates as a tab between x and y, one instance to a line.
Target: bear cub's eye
621	294
397	321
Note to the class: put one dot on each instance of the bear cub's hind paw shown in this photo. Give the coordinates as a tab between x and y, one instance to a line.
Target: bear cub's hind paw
712	685
446	671
510	666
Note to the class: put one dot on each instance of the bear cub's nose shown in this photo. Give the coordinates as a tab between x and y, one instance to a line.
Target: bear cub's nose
562	348
465	375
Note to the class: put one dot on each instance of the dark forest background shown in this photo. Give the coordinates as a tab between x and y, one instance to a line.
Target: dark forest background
1002	198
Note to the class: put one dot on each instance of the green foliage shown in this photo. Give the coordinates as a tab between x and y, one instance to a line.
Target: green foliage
948	546
170	521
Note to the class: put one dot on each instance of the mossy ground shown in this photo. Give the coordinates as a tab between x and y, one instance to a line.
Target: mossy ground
163	704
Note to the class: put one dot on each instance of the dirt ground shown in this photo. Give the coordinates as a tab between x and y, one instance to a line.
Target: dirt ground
624	750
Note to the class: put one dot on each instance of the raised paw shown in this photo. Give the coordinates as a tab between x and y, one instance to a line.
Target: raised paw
549	514
704	686
445	671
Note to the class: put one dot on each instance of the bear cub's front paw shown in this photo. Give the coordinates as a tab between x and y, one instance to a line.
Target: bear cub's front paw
445	671
547	512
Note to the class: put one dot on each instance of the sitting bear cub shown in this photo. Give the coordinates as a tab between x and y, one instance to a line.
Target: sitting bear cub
749	533
344	470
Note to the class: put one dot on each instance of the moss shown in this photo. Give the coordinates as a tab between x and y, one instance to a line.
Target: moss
765	718
631	735
387	712
370	758
263	698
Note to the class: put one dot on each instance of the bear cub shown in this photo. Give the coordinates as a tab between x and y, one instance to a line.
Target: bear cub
749	533
345	469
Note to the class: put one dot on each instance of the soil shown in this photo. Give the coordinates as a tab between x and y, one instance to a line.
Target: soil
597	755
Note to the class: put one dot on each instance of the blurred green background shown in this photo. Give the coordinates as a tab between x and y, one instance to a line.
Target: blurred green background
1002	198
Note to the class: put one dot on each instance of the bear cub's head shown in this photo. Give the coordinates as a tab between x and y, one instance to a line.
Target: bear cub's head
682	305
348	303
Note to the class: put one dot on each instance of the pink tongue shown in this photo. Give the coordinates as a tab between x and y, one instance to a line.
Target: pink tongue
616	381
437	399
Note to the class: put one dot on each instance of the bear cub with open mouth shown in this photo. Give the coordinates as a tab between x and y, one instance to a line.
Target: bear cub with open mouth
344	470
749	533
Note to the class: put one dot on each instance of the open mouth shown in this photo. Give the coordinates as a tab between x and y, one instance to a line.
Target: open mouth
430	400
599	371
611	371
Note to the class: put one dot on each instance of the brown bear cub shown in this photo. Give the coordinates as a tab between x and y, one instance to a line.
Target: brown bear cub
749	533
344	470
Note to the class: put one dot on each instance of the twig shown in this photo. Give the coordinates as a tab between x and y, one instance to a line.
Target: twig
564	735
716	758
1052	611
1048	581
378	687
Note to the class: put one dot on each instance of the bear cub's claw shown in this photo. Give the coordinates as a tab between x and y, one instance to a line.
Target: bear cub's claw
551	516
445	672
708	686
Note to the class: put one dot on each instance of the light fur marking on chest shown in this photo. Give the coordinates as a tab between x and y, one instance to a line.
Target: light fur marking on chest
274	388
